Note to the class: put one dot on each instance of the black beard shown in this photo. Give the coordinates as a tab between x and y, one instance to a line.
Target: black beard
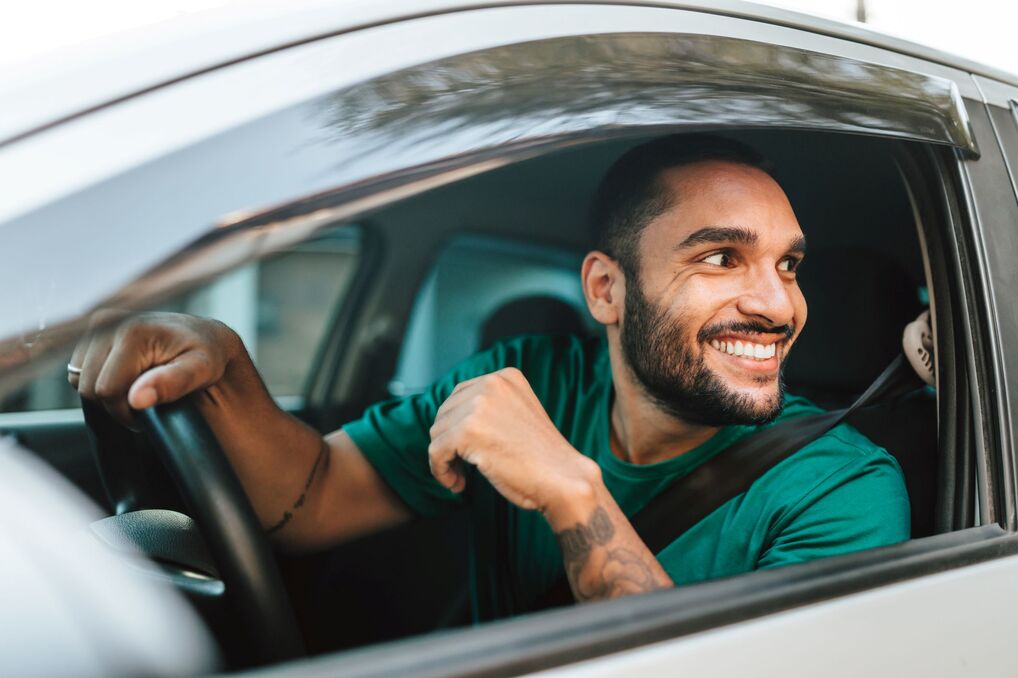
676	377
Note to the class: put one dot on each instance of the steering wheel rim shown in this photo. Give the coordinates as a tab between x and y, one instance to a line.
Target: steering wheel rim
218	504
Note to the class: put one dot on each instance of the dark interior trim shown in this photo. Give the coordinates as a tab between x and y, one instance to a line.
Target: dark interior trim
559	637
340	329
925	181
987	412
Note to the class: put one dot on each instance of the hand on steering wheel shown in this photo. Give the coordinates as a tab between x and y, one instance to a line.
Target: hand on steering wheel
217	502
125	367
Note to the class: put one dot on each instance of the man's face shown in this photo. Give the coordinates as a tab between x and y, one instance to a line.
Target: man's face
710	317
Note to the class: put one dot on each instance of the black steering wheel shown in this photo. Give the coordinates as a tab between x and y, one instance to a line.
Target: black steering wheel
232	533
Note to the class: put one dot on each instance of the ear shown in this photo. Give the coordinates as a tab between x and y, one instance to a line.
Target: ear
604	287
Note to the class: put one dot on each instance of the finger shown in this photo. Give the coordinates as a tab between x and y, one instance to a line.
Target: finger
92	364
115	378
452	405
188	372
448	420
99	327
463	392
77	356
517	381
466	385
446	465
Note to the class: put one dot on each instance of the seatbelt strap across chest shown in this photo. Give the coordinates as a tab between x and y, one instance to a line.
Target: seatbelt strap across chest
693	497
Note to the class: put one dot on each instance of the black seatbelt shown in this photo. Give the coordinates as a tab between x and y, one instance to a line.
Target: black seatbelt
693	497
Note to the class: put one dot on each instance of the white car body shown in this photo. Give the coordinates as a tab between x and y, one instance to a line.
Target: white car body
87	140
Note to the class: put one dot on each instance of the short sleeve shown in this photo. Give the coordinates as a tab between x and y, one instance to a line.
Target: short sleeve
862	505
394	435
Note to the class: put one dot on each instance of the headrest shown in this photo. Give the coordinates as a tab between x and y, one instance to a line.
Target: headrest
859	301
536	314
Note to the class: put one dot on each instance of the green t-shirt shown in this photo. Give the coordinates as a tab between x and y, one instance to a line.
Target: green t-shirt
838	494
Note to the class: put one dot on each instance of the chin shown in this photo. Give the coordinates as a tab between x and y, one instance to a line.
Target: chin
757	405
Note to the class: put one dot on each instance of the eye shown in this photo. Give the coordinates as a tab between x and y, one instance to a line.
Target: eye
718	259
789	264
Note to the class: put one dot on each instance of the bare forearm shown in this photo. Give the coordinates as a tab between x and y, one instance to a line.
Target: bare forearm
602	554
278	459
308	492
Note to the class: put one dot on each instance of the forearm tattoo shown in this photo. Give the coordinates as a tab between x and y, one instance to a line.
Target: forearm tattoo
618	572
288	515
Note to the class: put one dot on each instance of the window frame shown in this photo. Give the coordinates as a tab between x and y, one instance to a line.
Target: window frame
822	83
347	196
551	639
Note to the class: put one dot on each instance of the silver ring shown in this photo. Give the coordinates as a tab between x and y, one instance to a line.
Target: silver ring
71	369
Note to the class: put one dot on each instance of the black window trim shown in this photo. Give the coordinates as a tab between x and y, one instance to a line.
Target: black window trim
927	182
990	428
340	331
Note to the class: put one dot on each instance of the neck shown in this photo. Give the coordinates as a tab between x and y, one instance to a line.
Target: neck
641	432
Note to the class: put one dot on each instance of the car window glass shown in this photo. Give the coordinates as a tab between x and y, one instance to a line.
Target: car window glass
480	279
279	306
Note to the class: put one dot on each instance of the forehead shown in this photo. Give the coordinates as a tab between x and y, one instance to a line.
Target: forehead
726	194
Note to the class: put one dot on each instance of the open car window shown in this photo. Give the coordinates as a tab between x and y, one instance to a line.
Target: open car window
484	288
468	169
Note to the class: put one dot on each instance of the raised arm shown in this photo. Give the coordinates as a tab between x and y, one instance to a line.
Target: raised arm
496	423
308	492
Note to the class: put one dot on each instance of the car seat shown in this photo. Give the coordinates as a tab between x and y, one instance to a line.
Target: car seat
535	314
859	302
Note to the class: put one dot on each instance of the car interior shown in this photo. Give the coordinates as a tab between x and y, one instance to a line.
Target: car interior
433	278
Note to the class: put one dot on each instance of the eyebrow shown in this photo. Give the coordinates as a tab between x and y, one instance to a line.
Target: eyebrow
713	234
798	245
732	234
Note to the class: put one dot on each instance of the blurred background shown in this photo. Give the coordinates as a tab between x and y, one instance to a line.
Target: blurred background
982	30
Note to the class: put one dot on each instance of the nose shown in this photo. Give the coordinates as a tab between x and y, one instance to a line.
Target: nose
768	296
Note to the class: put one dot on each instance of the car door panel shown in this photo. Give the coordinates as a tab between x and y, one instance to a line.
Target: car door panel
866	609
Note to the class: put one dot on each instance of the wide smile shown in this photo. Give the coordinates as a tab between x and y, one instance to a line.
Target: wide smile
743	353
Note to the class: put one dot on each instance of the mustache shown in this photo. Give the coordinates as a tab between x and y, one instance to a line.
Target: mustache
710	331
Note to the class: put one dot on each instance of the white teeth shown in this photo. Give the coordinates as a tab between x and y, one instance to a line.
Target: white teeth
748	349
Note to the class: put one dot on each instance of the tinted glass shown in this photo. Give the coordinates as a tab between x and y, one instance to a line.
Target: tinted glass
279	306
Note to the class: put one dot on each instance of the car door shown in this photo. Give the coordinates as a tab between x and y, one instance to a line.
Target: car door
320	145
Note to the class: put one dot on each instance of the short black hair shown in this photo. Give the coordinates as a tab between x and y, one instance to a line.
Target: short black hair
631	194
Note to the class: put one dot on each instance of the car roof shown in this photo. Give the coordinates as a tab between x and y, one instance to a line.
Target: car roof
47	88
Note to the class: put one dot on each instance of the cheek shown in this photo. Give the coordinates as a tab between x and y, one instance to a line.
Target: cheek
799	301
700	296
700	301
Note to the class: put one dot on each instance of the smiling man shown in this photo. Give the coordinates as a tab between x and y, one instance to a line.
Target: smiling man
552	442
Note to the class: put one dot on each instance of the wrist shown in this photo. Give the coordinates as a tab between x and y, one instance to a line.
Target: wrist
231	343
240	391
575	497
